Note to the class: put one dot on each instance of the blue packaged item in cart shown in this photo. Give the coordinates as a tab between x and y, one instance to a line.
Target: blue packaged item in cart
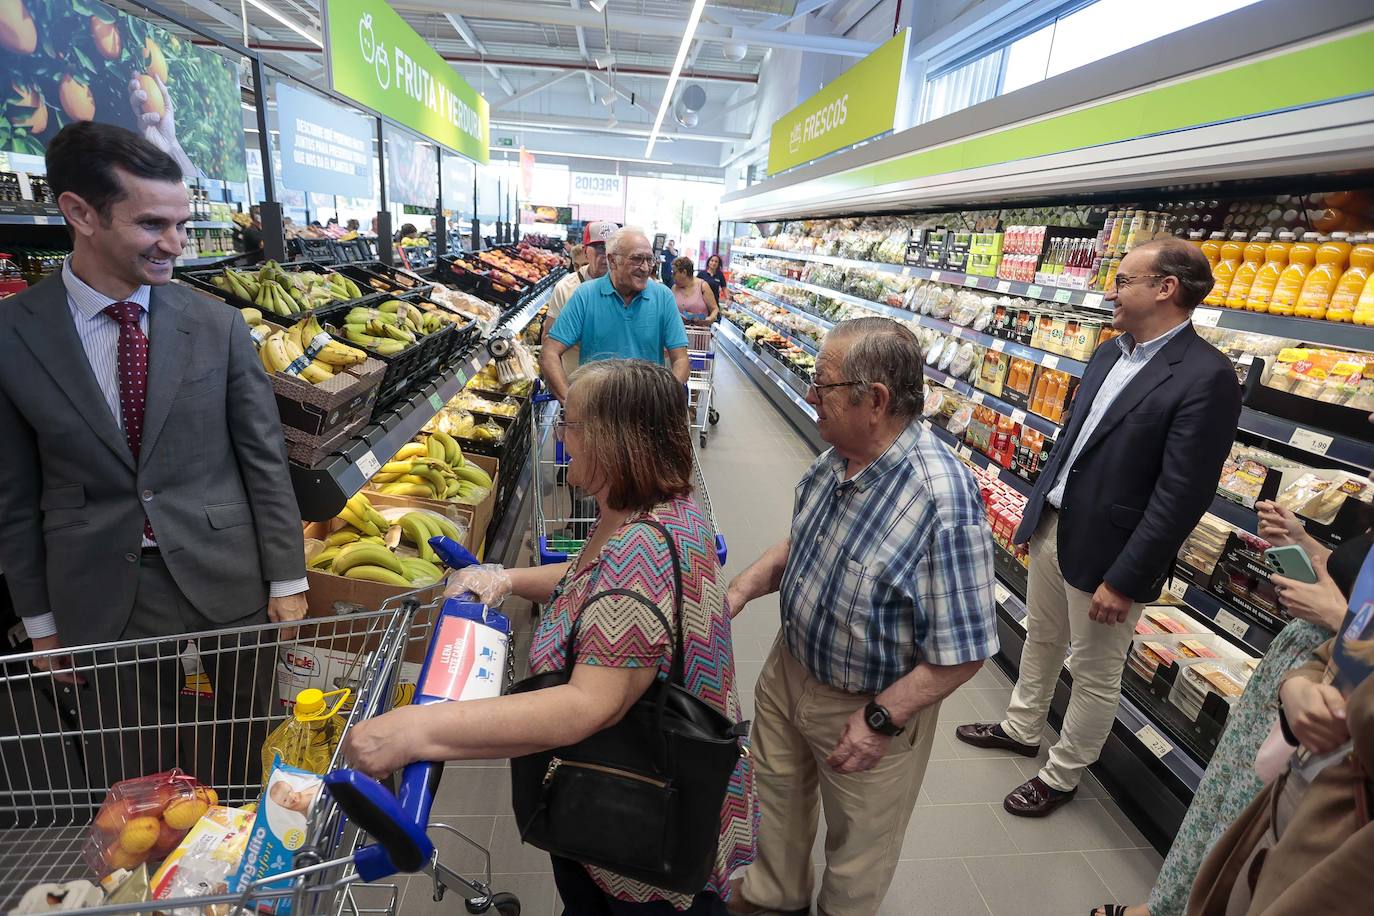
468	653
279	829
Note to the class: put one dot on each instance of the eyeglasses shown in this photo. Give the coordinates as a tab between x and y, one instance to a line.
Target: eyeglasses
821	389
560	429
1121	282
639	260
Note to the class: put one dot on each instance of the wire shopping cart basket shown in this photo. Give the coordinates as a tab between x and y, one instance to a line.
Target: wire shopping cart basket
563	514
205	702
701	351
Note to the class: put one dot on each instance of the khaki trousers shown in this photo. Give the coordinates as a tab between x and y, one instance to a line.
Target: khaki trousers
797	723
1057	621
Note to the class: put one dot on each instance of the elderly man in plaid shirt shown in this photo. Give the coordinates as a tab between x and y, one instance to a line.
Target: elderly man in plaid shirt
886	589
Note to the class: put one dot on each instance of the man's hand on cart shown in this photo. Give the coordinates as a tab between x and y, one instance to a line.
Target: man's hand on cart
61	666
285	610
490	582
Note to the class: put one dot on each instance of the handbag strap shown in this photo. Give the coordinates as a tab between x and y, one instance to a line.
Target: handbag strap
677	668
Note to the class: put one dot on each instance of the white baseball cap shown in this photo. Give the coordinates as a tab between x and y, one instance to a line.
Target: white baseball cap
599	232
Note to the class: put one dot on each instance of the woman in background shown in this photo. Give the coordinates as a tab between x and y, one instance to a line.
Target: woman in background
714	275
695	300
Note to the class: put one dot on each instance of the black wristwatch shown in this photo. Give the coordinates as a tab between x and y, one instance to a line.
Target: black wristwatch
880	720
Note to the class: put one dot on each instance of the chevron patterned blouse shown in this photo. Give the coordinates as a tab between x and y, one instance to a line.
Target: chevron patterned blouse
625	634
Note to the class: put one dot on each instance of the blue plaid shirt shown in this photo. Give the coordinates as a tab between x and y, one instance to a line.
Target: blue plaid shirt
889	569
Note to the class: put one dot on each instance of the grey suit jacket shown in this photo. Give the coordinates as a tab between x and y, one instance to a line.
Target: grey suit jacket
212	474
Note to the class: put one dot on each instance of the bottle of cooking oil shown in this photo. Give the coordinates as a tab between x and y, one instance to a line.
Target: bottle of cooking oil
308	737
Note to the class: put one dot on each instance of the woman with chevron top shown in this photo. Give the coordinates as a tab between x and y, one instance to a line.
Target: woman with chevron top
625	430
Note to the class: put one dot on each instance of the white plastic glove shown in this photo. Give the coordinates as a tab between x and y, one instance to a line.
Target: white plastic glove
488	581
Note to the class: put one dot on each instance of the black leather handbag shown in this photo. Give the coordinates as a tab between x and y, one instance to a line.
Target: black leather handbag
643	797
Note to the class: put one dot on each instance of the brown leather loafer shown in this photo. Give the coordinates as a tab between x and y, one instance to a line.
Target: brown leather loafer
1033	798
990	735
738	906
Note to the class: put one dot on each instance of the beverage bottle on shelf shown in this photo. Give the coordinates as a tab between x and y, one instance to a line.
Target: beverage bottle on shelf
1119	227
1037	402
1132	232
1332	258
1364	306
1224	271
1212	248
1352	282
1300	258
1252	259
1275	260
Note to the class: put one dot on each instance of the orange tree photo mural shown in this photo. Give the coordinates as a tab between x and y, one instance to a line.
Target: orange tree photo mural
78	60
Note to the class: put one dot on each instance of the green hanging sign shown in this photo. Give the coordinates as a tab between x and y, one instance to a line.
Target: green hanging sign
860	104
379	61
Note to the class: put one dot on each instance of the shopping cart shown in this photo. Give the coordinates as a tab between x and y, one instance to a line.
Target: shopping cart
562	516
146	704
701	351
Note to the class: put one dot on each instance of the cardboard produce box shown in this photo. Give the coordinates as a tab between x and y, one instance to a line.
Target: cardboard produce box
479	515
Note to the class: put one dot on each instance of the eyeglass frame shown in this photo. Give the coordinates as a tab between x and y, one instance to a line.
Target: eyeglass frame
561	427
821	389
1118	285
647	260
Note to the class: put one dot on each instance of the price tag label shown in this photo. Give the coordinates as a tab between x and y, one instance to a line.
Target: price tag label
1309	441
1050	361
980	398
1206	318
1246	359
1093	300
1177	588
436	402
1001	592
1154	741
1063	295
463	377
1018	416
999	345
906	271
1035	291
369	464
965	452
935	275
1003	286
971	281
1231	623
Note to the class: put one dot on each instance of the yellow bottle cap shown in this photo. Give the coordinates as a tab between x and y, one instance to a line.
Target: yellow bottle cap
309	703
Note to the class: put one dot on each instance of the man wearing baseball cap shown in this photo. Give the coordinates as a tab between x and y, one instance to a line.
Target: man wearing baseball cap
594	236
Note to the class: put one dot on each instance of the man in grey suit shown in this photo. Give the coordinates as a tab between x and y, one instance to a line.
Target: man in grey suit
144	487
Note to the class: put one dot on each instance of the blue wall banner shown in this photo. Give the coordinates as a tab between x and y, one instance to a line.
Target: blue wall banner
325	147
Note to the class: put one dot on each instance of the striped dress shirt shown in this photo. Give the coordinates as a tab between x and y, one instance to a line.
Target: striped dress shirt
1134	357
890	568
99	336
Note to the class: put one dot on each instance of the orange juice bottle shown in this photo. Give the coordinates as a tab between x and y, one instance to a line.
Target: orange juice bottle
1300	258
1037	404
1212	247
1364	306
1332	258
1245	274
1224	271
1352	282
1275	260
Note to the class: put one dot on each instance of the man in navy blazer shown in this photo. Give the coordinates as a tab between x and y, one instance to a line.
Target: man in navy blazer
1132	473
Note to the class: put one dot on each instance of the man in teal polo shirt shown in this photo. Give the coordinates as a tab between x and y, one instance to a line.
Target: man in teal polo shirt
623	315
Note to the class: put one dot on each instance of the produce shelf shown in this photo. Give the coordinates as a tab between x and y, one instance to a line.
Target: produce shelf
969	453
782	304
771	382
1310	330
1061	295
322	491
888	310
1034	421
784	332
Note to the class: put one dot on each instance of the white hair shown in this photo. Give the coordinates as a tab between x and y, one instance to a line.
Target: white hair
621	239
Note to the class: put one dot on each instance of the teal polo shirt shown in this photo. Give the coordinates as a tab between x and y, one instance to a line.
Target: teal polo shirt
597	319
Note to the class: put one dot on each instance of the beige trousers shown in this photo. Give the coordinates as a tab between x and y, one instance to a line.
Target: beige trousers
797	723
1057	621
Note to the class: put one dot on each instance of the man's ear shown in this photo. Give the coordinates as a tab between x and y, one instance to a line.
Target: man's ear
879	396
81	216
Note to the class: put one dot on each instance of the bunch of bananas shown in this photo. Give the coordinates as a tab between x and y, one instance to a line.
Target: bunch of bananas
281	348
391	327
460	423
284	292
434	469
358	550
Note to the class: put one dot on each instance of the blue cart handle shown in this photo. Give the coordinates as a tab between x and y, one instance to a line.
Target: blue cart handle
398	823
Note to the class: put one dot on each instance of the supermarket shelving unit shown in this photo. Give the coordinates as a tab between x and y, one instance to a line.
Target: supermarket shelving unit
1149	767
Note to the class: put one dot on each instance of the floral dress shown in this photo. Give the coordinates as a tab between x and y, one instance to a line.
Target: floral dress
620	633
1230	783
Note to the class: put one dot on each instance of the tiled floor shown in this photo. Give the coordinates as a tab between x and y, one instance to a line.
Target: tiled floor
962	853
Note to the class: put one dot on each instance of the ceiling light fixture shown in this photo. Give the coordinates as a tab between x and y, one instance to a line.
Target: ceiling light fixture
293	26
692	21
597	5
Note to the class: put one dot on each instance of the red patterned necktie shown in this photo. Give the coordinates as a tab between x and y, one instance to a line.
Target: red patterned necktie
133	378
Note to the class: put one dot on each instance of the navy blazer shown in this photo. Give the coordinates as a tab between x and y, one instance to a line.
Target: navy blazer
1149	471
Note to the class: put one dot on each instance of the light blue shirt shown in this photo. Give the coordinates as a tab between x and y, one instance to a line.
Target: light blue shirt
597	318
1134	357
